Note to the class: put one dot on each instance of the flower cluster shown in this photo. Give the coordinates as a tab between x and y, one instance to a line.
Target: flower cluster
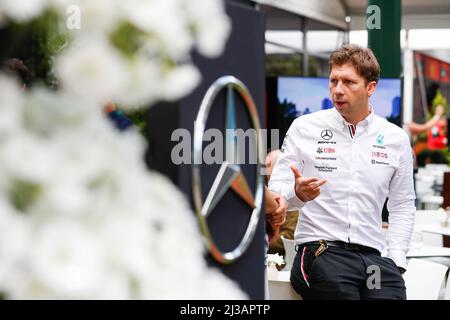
274	260
81	217
80	214
132	52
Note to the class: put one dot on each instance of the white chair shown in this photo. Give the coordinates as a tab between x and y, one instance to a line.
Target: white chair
437	171
431	202
289	248
425	218
424	279
437	166
424	184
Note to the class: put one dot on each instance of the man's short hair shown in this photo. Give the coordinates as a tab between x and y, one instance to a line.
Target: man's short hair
361	58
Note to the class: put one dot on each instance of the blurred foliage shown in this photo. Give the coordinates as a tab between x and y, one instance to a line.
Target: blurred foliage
423	137
35	43
139	119
283	65
439	99
290	65
23	194
447	155
127	38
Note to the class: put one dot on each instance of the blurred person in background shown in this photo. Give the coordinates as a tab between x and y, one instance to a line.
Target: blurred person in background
16	68
287	229
430	138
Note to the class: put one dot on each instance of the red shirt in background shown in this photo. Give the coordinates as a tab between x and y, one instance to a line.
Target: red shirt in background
437	136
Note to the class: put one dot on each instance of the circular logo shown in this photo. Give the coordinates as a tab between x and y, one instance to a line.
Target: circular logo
230	175
326	134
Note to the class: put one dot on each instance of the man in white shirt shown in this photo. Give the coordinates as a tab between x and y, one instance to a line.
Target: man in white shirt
339	165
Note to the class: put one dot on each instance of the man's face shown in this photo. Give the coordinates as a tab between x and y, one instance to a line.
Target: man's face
349	92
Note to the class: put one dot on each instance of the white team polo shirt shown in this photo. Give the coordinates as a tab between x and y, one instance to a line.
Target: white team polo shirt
362	165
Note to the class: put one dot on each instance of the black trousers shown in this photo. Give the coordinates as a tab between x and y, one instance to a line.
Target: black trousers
340	274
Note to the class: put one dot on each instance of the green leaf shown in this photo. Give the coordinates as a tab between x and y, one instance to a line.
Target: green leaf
23	194
127	38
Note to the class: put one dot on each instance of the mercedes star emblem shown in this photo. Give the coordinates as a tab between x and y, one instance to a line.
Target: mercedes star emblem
326	134
230	175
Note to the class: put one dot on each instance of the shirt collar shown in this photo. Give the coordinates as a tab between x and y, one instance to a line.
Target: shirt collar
363	123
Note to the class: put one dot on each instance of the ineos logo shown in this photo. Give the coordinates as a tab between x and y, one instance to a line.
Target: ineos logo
326	134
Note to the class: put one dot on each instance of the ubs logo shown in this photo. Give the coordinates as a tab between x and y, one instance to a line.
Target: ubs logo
325	150
326	134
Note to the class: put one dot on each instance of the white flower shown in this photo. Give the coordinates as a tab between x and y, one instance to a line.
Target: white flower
217	280
14	245
91	69
10	105
48	113
22	10
164	21
211	34
80	214
97	16
275	259
166	30
68	258
142	83
179	82
27	158
100	225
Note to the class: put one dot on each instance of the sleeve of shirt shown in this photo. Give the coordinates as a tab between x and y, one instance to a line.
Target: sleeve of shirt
401	206
282	178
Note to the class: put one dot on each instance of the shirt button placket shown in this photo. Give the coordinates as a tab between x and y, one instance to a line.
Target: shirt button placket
351	189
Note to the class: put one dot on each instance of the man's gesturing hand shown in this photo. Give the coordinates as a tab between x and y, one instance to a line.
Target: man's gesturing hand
306	189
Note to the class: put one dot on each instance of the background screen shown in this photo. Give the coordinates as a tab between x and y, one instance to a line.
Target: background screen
291	97
308	95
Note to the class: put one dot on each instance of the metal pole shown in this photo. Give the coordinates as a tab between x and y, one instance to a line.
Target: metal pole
305	48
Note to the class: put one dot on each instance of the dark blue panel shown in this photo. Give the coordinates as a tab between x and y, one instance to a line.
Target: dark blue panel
244	59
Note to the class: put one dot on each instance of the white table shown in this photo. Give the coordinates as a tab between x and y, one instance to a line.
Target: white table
431	202
435	228
427	251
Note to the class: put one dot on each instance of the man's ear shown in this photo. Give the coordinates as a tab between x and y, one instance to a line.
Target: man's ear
371	88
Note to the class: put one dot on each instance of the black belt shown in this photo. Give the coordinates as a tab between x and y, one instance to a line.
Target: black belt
343	245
